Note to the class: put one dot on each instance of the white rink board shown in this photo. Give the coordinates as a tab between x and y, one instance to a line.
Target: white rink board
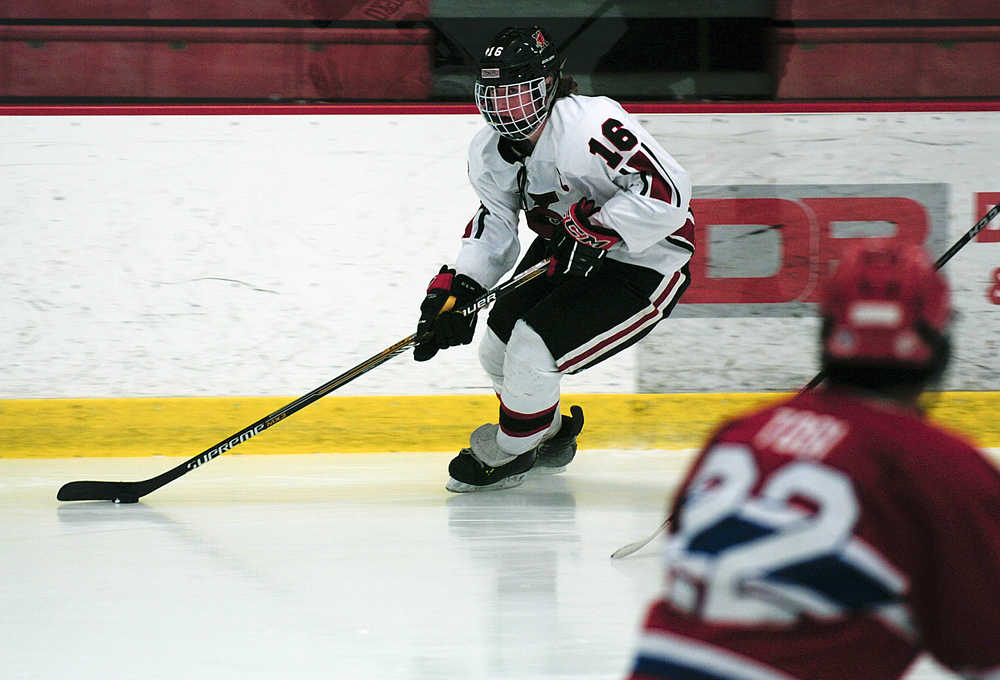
763	354
262	255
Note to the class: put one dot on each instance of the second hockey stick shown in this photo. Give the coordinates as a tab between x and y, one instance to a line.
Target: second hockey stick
627	550
131	492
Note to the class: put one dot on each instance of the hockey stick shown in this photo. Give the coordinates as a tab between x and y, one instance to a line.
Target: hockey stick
627	550
130	492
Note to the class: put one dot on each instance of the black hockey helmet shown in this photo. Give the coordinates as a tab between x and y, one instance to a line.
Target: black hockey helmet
517	81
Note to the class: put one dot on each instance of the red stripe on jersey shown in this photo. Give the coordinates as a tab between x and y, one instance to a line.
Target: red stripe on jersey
632	328
686	232
479	218
660	188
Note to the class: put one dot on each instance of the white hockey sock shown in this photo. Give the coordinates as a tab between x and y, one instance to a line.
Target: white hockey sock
530	386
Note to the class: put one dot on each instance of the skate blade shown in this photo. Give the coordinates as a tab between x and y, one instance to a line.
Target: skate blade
456	486
539	470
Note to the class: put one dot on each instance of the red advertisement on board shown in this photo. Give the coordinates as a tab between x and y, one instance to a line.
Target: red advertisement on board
771	245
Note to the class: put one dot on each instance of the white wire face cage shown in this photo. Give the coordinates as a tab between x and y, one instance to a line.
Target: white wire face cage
515	110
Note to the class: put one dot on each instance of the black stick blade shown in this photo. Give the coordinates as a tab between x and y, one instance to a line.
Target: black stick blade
118	492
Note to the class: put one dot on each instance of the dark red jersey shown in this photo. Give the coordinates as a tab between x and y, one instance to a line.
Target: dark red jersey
829	537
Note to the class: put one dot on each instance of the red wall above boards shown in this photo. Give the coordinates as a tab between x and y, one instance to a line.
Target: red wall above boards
895	62
200	10
430	108
855	10
215	62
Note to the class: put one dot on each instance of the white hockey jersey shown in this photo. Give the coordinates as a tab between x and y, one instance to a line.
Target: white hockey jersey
590	148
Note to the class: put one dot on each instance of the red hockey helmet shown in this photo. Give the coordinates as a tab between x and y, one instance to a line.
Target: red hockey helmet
886	305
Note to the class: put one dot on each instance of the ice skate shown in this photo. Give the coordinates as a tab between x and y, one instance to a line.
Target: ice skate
484	467
556	452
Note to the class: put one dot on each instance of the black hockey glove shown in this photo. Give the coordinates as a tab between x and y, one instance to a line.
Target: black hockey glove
578	247
437	330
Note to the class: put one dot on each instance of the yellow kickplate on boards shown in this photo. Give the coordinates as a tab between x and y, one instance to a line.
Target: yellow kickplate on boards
53	428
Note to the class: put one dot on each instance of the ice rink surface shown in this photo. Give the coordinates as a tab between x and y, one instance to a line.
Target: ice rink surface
330	566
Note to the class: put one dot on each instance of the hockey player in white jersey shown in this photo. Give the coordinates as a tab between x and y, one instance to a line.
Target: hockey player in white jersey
610	209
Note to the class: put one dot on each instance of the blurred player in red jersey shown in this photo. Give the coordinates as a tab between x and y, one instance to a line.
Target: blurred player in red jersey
838	535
